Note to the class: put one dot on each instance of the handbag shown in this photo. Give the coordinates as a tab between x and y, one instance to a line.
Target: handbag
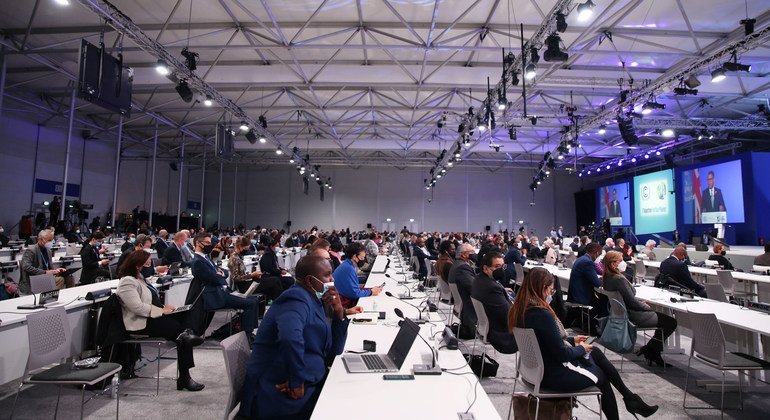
476	363
617	333
524	406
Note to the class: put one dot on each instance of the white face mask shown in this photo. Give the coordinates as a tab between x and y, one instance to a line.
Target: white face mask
622	266
49	244
548	299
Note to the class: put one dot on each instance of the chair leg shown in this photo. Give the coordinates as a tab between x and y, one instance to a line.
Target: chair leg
157	379
599	397
82	400
117	398
537	407
722	398
58	397
686	382
15	399
740	385
481	370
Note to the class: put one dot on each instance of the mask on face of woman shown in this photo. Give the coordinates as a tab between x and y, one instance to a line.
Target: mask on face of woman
622	266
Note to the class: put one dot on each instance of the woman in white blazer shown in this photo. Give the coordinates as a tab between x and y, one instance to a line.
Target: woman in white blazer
145	314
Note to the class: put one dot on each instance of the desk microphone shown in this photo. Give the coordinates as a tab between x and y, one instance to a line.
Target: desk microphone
420	369
675	300
416	321
35	305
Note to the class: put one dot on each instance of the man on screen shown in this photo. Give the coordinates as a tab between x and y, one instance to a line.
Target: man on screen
615	205
712	197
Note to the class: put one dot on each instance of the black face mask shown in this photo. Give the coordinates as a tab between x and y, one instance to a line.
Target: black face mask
473	257
208	248
361	263
498	274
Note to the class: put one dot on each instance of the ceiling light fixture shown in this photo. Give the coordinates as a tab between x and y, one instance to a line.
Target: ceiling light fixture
162	68
602	129
244	126
668	132
530	72
262	139
184	91
278	151
585	10
718	75
553	50
62	2
208	101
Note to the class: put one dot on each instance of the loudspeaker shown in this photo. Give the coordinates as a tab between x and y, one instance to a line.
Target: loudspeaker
224	142
368	225
288	223
488	228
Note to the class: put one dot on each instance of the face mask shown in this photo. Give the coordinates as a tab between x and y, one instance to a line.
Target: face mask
132	240
622	266
253	241
277	249
97	244
325	288
498	274
77	231
473	257
548	299
518	245
49	244
361	263
208	248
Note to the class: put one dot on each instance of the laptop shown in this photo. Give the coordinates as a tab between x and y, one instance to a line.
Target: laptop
68	272
184	308
391	362
248	293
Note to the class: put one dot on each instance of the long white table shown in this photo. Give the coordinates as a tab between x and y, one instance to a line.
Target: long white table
435	397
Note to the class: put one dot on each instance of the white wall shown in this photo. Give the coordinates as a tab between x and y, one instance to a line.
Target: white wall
467	199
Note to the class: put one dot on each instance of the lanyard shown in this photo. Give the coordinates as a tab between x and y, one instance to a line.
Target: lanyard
44	258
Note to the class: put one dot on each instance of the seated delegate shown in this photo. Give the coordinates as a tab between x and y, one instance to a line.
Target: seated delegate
496	299
304	327
38	259
676	269
269	266
639	312
719	257
346	276
763	259
462	275
94	265
583	279
565	367
144	313
268	286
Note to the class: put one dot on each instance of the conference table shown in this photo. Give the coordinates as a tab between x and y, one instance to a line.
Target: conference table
13	321
751	281
440	397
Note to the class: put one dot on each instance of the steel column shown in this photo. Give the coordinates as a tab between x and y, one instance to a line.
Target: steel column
117	172
179	195
235	193
219	208
152	179
67	156
203	189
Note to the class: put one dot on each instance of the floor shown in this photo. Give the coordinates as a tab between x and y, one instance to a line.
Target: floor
655	386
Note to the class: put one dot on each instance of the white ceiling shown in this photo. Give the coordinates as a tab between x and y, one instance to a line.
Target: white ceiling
363	82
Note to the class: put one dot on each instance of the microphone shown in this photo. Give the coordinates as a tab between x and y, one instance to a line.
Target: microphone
416	321
675	300
34	305
420	369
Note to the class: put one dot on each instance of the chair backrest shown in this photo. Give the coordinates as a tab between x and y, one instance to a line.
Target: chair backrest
415	264
707	337
457	298
431	268
519	272
236	351
716	292
113	270
42	283
640	270
482	325
530	359
726	280
570	260
617	307
444	291
49	338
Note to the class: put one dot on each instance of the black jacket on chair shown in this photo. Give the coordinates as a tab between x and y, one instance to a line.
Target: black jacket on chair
496	303
268	264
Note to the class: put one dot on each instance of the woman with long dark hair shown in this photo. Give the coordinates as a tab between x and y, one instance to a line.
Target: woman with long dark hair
566	367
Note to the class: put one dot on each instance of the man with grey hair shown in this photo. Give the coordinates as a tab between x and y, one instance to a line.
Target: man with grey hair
161	244
178	251
462	275
648	250
38	259
609	245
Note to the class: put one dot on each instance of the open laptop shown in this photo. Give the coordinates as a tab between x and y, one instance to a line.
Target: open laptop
68	272
391	362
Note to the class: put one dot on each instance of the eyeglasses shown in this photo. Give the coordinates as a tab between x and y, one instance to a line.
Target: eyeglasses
552	291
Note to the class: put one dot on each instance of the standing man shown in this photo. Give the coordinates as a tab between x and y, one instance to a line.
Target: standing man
712	196
54	208
615	205
38	259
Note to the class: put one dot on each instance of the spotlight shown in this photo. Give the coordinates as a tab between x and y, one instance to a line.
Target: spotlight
633	160
262	139
534	57
62	2
620	163
278	151
244	126
580	174
530	72
251	136
598	170
482	124
748	25
627	132
514	79
646	155
427	188
667	132
553	51
685	91
262	121
736	66
457	153
190	59
184	91
438	176
718	75
162	68
502	103
602	129
449	164
657	153
649	106
608	167
561	22
533	119
312	175
512	133
589	172
585	10
560	157
291	160
208	101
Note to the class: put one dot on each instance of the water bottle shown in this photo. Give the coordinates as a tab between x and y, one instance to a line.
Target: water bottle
374	306
114	390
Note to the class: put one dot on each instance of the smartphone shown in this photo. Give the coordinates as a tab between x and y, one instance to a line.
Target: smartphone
590	340
398	377
361	320
382	285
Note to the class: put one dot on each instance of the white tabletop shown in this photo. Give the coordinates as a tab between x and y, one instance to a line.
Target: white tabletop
738	275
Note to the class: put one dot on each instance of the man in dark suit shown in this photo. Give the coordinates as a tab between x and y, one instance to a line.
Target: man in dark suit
575	245
513	257
93	264
160	244
38	259
675	268
130	241
216	292
462	274
269	265
712	200
423	255
175	249
496	300
615	205
583	278
763	259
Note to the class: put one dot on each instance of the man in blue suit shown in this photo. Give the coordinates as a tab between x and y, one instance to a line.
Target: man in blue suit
582	281
303	329
216	292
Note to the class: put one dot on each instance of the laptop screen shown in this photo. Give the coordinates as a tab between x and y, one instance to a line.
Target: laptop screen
403	342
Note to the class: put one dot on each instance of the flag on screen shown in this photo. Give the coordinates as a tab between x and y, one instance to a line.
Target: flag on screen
607	202
696	192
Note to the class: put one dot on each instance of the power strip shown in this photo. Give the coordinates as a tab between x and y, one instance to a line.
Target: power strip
466	416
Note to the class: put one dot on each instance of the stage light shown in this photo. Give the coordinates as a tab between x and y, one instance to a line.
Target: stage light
718	75
162	68
457	153
427	188
561	157
633	160
262	121
190	59
251	137
278	151
208	101
667	132
244	126
598	170
602	129
449	164
530	72
512	133
580	174
482	126
685	91
608	167
561	22
438	176
585	10
184	91
514	79
501	103
291	160
443	171
657	153
62	2
649	106
736	66
553	50
589	172
646	156
262	139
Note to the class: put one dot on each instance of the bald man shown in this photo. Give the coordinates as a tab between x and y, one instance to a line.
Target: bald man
175	250
675	268
161	244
